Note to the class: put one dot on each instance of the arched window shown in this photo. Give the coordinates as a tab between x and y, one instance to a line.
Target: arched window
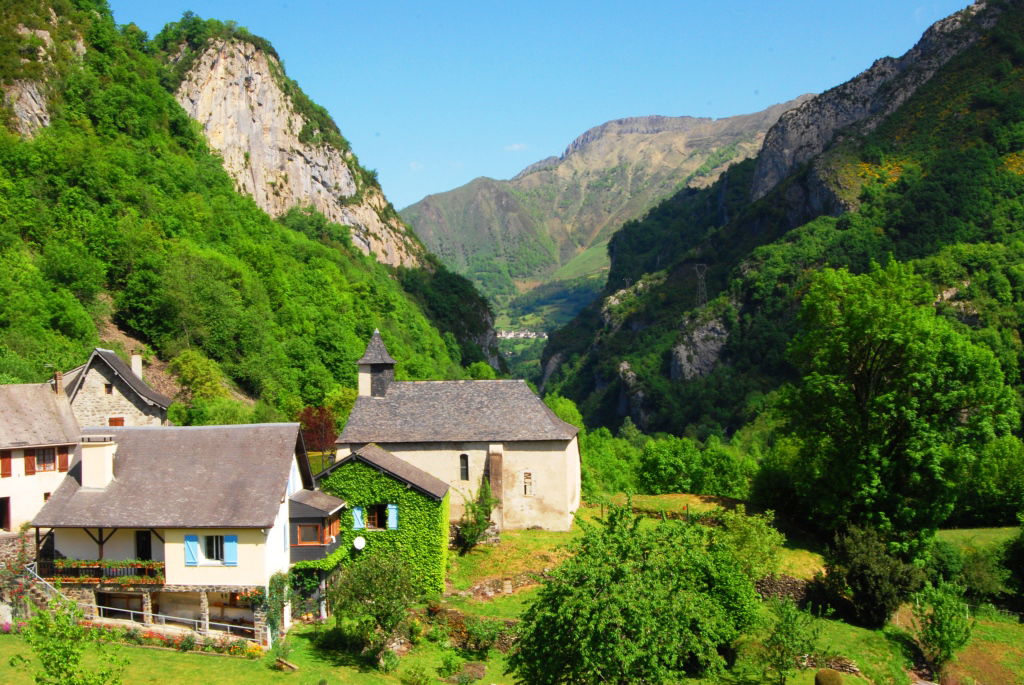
464	466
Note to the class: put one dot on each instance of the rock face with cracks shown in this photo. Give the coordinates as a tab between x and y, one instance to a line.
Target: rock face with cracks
233	90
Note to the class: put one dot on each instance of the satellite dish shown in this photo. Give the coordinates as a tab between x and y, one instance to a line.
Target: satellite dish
359	542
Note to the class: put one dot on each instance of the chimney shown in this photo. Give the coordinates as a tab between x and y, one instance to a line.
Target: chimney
97	461
137	364
58	382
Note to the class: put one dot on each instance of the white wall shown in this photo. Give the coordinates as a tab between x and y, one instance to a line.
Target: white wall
554	466
26	492
252	566
75	543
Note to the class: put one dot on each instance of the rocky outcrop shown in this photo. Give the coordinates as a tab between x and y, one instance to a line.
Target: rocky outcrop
28	105
699	350
863	102
632	398
233	90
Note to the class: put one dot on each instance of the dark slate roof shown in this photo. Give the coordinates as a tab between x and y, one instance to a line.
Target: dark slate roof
443	411
396	468
376	352
313	503
33	415
183	477
76	377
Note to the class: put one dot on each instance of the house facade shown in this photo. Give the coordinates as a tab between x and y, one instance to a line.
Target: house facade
392	507
176	525
105	391
462	431
38	434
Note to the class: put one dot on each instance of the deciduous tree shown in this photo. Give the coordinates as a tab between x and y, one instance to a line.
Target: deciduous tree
636	604
893	402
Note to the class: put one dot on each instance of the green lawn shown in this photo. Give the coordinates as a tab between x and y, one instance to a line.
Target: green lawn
975	539
156	666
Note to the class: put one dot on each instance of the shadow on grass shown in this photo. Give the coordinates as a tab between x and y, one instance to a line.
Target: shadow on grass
328	648
904	642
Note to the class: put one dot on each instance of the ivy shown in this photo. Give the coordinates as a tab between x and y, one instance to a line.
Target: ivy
421	538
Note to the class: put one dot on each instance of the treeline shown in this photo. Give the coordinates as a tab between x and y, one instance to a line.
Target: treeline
118	208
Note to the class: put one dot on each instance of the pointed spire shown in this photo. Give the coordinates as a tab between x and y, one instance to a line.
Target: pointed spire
376	352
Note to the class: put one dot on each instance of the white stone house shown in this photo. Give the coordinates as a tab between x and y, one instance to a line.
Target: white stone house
104	391
38	434
201	512
461	431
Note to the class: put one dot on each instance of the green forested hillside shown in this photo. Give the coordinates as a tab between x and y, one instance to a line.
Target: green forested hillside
117	207
939	185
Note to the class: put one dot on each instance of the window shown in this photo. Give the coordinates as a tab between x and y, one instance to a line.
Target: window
212	550
213	547
115	421
464	466
5	464
308	534
108	388
46	497
376	516
527	484
46	459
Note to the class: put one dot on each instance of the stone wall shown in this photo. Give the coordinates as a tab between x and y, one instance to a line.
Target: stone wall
93	406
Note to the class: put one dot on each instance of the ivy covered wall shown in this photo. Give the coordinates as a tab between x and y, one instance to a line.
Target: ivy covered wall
421	537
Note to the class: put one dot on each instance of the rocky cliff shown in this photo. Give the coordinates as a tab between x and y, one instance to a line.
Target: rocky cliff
234	90
864	101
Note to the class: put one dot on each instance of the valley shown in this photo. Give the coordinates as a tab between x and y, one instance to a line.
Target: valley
699	400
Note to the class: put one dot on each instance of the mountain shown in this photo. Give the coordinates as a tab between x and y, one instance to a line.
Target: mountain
917	159
114	207
553	220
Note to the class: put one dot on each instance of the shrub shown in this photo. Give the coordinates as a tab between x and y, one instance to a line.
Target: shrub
481	634
861	569
477	518
946	563
827	676
388	661
416	675
188	643
943	623
450	664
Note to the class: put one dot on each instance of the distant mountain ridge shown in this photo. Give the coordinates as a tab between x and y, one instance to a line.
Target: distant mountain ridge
553	219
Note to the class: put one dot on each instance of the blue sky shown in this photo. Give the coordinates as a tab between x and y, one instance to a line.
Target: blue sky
434	94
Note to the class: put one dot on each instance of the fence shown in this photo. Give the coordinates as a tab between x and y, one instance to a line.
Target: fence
247	632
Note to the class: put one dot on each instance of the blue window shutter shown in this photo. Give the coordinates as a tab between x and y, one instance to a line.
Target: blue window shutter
191	550
392	516
357	518
231	550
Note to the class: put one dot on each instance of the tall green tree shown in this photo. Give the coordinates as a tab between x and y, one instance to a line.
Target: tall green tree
893	404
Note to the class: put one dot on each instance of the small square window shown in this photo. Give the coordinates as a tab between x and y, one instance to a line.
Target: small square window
46	497
213	547
46	459
308	534
108	388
